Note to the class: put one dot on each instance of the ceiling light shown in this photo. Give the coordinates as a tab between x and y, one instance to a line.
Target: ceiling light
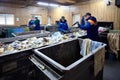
64	7
47	4
53	5
42	3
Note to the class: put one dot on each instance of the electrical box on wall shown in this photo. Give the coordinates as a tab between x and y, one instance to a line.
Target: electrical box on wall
117	3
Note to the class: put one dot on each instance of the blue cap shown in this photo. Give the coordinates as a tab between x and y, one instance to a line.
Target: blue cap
88	14
93	19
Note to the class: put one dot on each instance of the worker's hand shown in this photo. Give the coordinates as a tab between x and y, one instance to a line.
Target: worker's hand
64	31
33	25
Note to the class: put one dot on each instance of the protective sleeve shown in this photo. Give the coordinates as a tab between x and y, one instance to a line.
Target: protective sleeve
84	27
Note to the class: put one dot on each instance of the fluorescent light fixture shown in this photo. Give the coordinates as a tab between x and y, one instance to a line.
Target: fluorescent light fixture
64	7
47	4
42	3
53	5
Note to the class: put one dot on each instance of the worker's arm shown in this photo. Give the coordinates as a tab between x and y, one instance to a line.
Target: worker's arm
60	27
84	27
82	21
67	26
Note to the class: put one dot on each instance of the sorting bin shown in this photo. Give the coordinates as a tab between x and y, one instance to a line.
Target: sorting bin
17	66
63	61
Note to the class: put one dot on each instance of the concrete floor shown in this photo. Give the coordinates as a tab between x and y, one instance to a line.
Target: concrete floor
112	70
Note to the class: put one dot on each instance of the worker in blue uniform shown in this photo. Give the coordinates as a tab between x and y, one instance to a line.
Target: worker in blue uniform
37	23
89	23
62	25
31	24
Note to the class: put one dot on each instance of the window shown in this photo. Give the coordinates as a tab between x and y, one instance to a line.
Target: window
2	19
76	17
6	19
49	19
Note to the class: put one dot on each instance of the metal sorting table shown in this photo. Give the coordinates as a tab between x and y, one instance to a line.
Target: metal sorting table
26	35
21	38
